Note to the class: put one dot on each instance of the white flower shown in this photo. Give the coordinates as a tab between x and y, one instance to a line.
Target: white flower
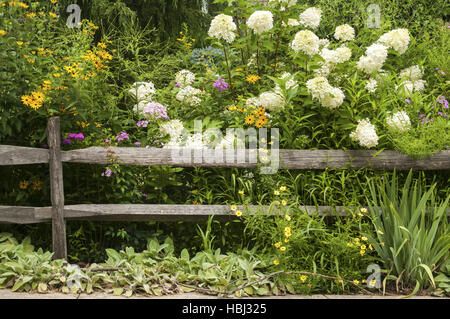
419	85
399	121
195	141
311	17
306	41
223	27
230	141
318	87
344	32
271	101
174	128
260	21
371	85
333	99
365	134
413	73
291	23
184	78
253	101
397	39
292	83
407	88
343	54
324	43
189	96
374	59
340	55
143	91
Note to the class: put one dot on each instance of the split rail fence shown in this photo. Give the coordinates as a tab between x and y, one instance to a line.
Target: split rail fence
58	213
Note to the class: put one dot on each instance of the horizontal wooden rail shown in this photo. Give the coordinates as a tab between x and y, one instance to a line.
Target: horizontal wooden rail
151	212
289	159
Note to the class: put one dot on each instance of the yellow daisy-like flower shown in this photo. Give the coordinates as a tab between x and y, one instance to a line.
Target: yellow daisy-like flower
277	245
253	78
364	210
370	247
363	247
284	202
364	238
380	232
23	185
303	278
283	188
362	252
356	282
260	111
2	32
288	218
238	213
53	15
286	240
250	119
276	192
233	207
264	120
259	123
19	43
276	262
31	15
282	248
241	192
349	245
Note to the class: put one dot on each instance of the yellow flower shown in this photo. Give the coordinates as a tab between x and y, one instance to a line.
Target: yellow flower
349	245
370	247
288	218
252	78
250	119
31	15
2	32
284	202
53	15
23	185
98	124
19	43
283	188
276	193
277	245
363	247
233	207
286	240
276	262
241	192
303	278
238	213
364	238
282	248
356	282
364	210
362	252
380	232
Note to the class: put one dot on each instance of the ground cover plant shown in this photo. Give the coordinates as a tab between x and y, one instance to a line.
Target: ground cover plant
328	74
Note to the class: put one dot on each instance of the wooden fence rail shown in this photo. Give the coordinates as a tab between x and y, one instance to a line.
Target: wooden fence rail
58	213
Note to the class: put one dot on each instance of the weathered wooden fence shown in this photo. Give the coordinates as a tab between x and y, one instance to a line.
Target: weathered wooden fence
58	213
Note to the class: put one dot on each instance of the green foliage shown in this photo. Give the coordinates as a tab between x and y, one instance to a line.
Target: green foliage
412	234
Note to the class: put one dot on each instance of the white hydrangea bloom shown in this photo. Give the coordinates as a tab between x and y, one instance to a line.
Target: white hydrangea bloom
413	73
371	85
419	85
253	101
189	95
143	91
222	27
333	99
365	134
271	101
260	21
397	39
399	121
291	23
340	55
194	141
374	59
318	87
173	128
184	78
344	32
311	17
324	43
306	41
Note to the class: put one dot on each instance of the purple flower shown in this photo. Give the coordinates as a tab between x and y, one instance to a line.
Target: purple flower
137	144
76	137
421	116
144	195
147	146
107	173
220	85
67	141
442	72
177	85
408	101
122	136
155	110
439	113
142	123
107	140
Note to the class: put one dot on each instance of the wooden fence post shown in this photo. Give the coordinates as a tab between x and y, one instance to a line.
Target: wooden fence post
57	189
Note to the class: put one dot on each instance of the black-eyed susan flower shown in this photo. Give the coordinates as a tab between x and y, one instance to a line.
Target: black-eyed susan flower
250	119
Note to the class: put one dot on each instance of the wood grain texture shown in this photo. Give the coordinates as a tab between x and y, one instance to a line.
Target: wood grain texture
289	159
56	189
18	155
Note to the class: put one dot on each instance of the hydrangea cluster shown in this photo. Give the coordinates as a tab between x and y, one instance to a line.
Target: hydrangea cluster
184	78
365	134
371	85
310	18
306	41
374	59
344	33
189	95
397	39
271	101
291	23
329	96
155	110
340	55
222	27
253	101
412	80
399	121
173	128
260	21
143	92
